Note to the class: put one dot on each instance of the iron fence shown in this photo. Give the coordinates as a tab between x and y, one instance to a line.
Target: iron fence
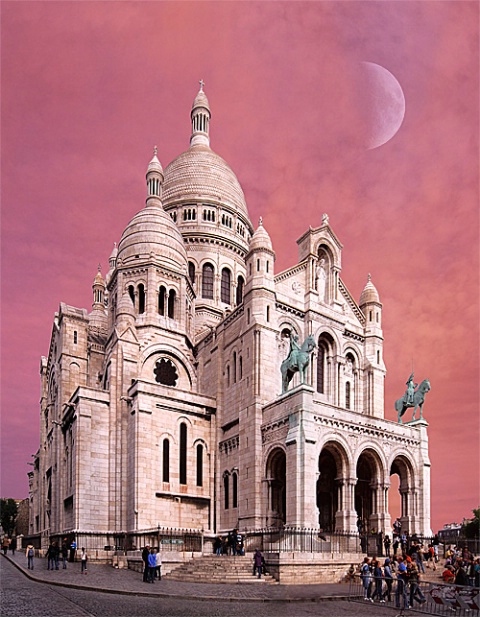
302	540
424	597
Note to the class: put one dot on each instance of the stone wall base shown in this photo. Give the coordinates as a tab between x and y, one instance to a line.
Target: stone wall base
310	568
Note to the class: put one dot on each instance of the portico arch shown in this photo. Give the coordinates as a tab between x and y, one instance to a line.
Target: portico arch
403	468
370	491
275	475
334	489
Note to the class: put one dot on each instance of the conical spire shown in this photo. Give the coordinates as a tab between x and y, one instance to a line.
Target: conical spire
200	119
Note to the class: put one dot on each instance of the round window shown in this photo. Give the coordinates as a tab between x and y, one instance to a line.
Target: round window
166	372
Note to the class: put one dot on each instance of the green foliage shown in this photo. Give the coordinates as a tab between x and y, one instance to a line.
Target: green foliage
8	515
471	529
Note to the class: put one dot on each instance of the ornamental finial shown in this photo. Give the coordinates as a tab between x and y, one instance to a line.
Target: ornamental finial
155	150
202	83
260	222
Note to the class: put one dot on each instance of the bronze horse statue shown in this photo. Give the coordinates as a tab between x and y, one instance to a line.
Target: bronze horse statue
298	360
418	398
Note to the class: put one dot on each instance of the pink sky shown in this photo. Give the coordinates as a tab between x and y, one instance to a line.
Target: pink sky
89	88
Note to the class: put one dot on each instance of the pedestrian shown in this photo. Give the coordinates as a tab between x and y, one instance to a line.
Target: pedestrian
402	579
378	578
258	562
73	549
84	559
64	553
414	580
29	554
217	546
5	544
56	554
13	545
50	557
387	573
387	543
152	564
461	577
145	554
366	577
158	565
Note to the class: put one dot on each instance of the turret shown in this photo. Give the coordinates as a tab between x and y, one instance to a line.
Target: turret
260	286
155	179
372	309
200	119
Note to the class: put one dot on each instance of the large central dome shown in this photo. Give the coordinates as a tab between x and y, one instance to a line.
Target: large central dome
201	175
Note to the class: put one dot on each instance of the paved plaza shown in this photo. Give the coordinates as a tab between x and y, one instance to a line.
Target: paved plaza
106	592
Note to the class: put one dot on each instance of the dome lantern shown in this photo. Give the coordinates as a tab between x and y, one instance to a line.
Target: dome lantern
200	119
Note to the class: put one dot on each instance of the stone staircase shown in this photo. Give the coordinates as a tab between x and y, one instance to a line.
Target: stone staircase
213	569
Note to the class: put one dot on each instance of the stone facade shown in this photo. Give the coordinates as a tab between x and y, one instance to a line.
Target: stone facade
165	406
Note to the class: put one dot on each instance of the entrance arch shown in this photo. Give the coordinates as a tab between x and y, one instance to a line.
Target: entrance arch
369	502
276	474
403	468
333	488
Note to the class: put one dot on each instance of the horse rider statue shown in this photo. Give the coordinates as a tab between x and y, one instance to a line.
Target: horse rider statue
410	390
414	397
297	360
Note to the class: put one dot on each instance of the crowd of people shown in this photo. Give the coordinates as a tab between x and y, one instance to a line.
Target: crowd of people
231	544
152	564
405	564
57	554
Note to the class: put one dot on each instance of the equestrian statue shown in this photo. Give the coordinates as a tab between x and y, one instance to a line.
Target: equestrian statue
298	359
414	397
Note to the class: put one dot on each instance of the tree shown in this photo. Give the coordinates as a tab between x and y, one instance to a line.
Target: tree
471	529
8	515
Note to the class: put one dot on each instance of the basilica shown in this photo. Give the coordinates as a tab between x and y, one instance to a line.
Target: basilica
204	390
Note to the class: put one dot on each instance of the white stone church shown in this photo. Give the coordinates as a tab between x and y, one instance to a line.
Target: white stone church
165	406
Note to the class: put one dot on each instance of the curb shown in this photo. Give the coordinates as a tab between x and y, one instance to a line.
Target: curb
180	596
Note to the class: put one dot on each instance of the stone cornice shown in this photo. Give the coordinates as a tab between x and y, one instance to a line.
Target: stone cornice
290	272
286	308
367	430
351	302
227	445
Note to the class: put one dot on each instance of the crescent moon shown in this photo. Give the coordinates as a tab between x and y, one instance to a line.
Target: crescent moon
385	104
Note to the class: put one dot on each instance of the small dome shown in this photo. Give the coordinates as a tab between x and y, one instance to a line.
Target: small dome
369	293
201	175
98	280
152	231
260	239
201	100
155	164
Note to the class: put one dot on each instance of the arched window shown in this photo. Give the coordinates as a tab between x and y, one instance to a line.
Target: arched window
75	337
183	453
234	367
347	395
141	298
240	285
225	286
171	304
240	367
191	272
131	293
166	461
321	368
199	465
226	487
326	346
234	490
207	281
161	300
